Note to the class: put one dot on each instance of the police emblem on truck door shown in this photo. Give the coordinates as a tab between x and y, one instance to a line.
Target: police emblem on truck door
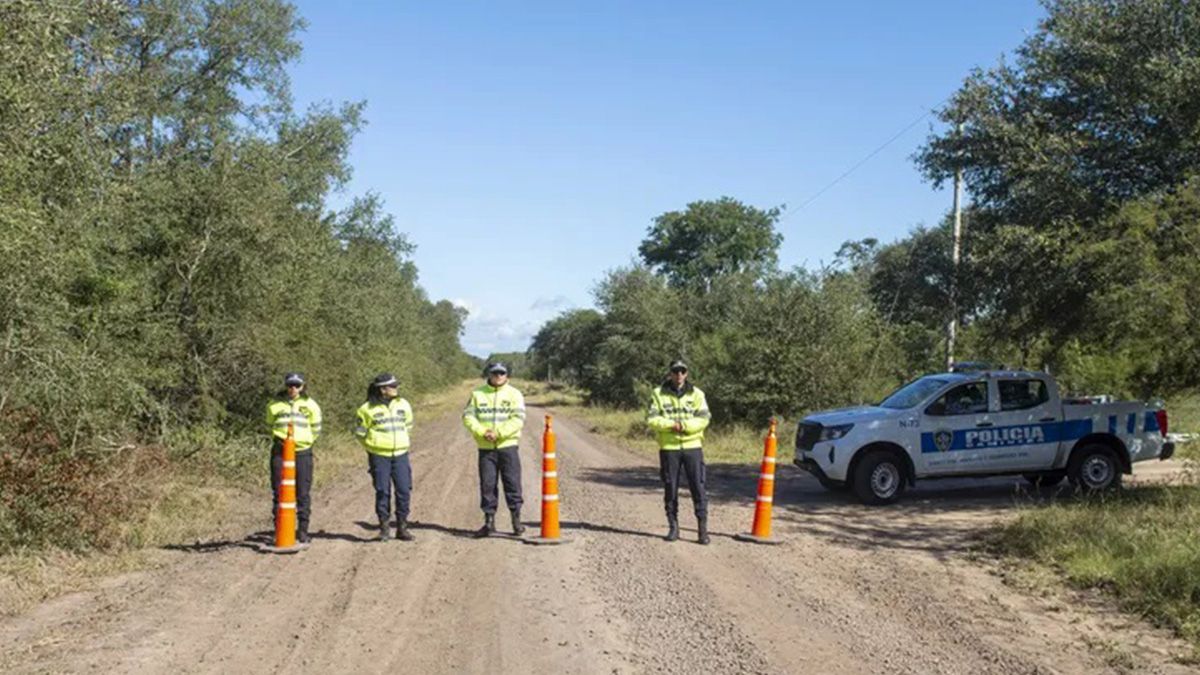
943	439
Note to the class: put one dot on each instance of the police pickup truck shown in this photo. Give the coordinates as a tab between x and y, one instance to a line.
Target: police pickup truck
984	423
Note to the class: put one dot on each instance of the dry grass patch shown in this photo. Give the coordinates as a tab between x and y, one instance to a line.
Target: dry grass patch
736	443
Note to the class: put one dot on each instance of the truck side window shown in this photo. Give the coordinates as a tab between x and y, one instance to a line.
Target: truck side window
967	399
1022	394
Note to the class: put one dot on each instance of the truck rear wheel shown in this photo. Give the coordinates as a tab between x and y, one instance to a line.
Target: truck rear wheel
1094	468
878	478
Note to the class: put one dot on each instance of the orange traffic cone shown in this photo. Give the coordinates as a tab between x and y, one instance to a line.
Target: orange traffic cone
285	515
550	530
760	533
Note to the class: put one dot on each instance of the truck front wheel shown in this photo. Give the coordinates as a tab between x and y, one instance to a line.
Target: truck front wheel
879	478
1094	468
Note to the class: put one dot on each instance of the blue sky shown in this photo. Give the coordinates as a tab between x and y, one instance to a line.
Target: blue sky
524	147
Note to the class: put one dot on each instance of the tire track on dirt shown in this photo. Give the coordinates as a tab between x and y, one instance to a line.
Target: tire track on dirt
850	589
818	602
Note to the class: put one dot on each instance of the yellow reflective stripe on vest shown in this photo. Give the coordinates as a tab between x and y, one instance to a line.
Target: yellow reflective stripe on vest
682	408
306	425
499	409
383	428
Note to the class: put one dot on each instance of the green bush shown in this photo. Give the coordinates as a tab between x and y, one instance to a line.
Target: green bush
169	254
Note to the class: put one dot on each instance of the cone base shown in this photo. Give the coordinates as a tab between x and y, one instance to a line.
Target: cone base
271	548
757	540
544	541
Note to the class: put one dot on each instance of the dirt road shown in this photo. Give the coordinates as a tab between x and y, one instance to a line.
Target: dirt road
850	589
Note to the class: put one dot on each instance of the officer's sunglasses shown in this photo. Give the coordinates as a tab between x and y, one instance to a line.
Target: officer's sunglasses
679	370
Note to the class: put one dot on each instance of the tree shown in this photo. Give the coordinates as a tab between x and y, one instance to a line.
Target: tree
811	341
565	346
1142	319
645	327
1098	108
168	253
1096	111
711	239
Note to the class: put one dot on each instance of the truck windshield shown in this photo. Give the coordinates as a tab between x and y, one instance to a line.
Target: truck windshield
913	393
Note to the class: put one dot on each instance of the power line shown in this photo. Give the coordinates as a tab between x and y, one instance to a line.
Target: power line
860	162
84	5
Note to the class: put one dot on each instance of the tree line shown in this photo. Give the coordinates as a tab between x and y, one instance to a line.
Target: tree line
1080	253
169	250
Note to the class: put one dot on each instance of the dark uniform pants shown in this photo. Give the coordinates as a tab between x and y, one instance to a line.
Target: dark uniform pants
692	463
507	463
304	476
386	472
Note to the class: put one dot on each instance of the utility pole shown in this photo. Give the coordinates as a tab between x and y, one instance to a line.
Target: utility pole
952	328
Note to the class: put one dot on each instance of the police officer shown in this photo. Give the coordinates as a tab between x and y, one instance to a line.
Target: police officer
384	424
678	414
294	405
495	415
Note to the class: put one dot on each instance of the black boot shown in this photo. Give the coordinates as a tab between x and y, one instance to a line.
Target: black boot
672	528
518	526
302	533
489	526
702	526
385	530
402	532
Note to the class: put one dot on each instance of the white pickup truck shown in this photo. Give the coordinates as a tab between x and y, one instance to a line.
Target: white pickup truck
983	423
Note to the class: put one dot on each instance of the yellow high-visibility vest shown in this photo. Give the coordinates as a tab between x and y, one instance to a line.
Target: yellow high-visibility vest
384	428
501	409
688	407
303	413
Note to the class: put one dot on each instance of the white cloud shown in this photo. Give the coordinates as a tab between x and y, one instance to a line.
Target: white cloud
488	330
553	305
486	333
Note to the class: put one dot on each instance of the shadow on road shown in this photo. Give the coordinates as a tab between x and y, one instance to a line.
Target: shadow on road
436	527
595	527
213	546
252	541
462	533
340	536
941	517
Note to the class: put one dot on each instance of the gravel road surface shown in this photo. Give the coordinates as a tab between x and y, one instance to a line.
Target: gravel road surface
850	589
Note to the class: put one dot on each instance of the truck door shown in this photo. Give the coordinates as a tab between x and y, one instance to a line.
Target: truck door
1026	431
948	424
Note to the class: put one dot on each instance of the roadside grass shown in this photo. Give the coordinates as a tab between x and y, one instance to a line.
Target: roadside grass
736	443
1141	546
208	489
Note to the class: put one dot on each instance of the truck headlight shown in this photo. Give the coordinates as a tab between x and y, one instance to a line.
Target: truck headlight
834	433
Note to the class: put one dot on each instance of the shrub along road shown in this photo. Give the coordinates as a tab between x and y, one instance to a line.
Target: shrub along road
850	590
